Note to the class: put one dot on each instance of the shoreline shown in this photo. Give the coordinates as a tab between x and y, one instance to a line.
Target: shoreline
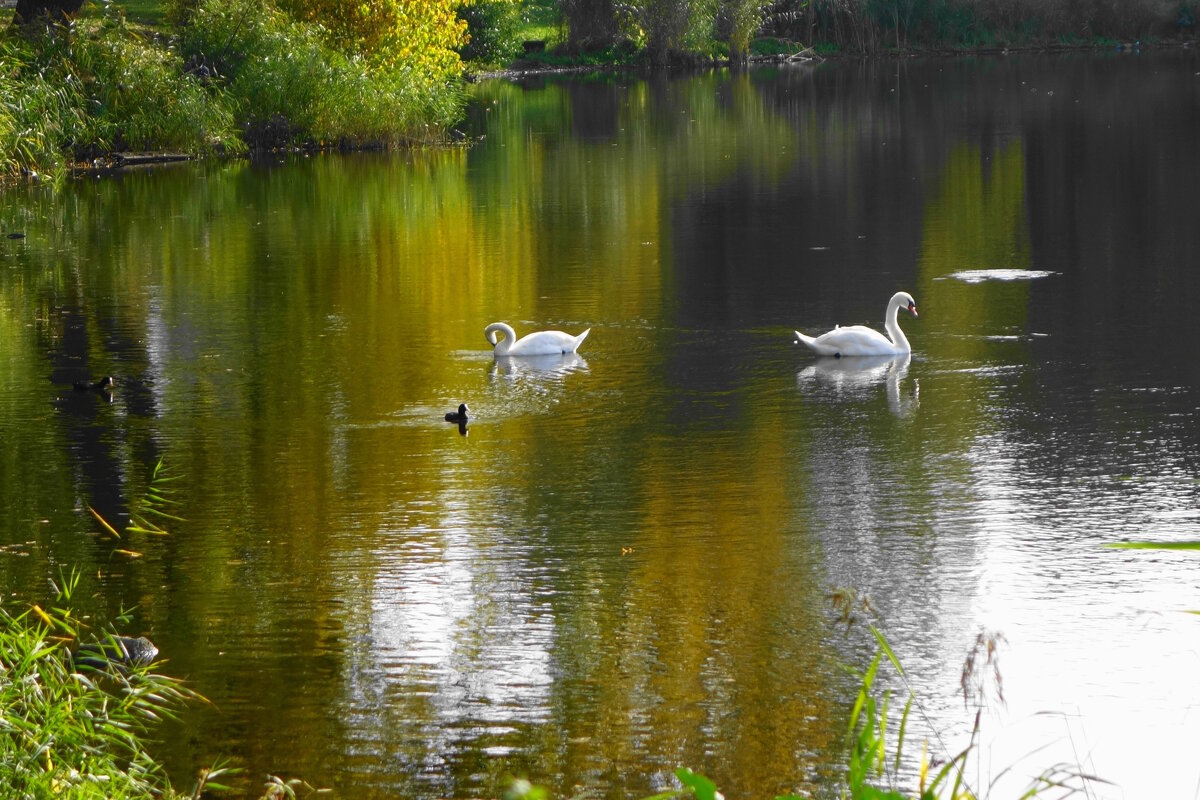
115	163
521	68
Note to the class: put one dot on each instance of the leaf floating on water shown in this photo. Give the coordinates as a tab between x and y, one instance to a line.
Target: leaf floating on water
104	522
1156	545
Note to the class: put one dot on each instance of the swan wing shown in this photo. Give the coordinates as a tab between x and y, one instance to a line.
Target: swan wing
545	343
853	340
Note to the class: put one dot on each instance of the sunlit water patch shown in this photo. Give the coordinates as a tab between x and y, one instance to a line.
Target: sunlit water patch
981	275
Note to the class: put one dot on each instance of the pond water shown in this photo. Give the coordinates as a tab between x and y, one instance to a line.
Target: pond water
625	563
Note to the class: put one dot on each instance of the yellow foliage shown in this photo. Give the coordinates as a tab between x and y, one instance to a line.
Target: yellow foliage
421	35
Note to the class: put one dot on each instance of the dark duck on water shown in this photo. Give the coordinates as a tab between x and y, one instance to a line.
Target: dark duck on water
105	384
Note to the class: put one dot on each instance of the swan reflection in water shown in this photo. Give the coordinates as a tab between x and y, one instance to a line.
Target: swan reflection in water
538	368
858	376
531	385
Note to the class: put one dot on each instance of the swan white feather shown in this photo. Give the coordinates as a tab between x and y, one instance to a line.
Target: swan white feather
539	343
859	340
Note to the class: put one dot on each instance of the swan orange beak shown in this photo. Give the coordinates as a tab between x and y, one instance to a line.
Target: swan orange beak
912	309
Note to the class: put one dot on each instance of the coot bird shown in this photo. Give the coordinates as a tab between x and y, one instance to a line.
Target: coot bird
105	384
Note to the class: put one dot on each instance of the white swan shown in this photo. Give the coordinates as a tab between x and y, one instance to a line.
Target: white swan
541	343
859	340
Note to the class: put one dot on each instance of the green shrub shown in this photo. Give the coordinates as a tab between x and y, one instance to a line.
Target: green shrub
288	86
142	97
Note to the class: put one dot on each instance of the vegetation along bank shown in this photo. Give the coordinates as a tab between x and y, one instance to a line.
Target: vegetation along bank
81	80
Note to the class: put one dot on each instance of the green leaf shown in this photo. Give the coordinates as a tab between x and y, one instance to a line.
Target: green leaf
700	786
1155	545
887	649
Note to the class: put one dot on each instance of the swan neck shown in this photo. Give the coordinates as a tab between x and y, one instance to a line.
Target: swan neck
893	327
505	330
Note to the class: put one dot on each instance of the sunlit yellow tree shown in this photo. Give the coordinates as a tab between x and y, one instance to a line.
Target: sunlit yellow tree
421	35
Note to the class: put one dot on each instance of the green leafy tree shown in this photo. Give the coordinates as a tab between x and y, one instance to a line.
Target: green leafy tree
744	18
675	26
492	28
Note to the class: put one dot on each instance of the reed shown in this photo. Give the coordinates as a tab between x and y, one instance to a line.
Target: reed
42	111
233	74
74	730
879	758
141	96
71	92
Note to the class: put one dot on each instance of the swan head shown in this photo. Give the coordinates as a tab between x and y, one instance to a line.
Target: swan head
499	330
905	300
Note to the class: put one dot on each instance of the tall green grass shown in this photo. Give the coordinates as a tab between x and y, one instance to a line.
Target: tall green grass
143	98
78	709
75	731
880	762
42	111
69	93
78	727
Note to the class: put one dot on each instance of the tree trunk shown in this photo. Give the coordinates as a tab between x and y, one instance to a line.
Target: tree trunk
30	11
591	24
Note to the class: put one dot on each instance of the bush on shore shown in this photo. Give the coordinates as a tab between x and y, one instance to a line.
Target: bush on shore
288	85
226	76
70	92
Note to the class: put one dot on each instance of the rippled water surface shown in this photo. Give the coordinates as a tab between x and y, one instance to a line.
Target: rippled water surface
624	564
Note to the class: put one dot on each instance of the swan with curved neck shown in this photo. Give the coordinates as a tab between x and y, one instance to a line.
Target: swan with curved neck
540	343
859	340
